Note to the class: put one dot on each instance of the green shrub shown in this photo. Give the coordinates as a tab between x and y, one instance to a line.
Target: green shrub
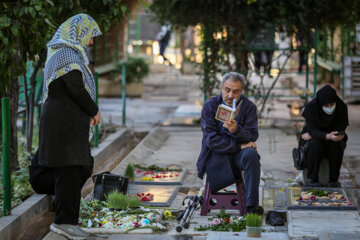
136	69
129	172
253	220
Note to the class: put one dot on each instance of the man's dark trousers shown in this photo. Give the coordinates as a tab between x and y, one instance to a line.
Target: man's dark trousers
247	160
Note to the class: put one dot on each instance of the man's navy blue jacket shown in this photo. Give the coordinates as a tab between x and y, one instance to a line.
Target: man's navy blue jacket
217	138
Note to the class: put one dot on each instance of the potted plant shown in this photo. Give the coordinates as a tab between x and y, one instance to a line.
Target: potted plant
136	68
129	172
119	201
253	225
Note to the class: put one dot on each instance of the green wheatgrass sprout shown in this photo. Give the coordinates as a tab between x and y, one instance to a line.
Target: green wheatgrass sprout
253	220
134	202
129	171
118	200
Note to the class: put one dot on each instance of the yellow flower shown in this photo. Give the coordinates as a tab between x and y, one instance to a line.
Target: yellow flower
105	221
147	179
167	214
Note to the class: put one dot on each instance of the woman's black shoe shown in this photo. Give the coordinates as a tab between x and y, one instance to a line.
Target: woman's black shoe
311	183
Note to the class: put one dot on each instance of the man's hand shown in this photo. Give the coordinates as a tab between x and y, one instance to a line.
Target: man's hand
96	119
306	136
249	144
332	137
231	125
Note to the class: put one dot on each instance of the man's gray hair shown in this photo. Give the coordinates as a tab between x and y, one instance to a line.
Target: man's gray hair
233	76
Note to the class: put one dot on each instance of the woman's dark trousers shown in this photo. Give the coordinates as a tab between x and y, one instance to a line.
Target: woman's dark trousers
333	151
66	184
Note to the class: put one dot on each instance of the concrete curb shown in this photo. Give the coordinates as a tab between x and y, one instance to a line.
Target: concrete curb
106	155
152	142
11	227
24	215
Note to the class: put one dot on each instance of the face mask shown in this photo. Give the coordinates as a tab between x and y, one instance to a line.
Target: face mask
329	110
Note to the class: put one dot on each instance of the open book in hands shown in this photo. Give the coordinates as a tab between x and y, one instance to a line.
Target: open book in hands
225	113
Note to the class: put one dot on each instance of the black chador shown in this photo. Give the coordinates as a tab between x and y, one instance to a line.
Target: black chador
318	123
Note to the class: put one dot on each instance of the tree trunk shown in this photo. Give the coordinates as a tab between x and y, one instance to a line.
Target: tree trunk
30	109
31	103
273	85
14	100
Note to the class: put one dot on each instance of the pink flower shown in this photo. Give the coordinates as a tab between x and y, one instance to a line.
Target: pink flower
215	221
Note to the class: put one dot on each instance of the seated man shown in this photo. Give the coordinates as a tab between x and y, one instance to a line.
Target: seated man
326	118
229	148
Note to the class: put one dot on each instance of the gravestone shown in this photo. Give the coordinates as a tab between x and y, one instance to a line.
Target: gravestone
163	195
160	177
261	38
320	203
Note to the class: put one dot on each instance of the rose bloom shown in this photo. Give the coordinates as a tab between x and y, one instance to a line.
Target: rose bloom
215	221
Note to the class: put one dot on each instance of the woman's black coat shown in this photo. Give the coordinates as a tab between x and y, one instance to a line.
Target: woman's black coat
64	123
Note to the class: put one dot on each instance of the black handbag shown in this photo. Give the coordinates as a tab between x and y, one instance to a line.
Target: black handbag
299	155
106	182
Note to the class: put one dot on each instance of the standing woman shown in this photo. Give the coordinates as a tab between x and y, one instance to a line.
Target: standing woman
63	161
326	118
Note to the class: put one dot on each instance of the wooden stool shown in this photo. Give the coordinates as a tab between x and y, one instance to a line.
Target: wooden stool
228	200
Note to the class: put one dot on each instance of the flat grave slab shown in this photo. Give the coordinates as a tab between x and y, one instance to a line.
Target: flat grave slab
318	199
140	237
147	177
162	195
336	236
312	223
243	235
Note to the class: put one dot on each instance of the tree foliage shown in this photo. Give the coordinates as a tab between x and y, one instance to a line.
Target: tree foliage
25	28
236	16
27	25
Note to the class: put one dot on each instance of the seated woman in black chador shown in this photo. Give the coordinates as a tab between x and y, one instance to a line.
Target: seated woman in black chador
326	118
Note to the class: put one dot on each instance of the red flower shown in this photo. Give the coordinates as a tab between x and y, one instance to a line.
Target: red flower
226	220
138	171
145	198
136	224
